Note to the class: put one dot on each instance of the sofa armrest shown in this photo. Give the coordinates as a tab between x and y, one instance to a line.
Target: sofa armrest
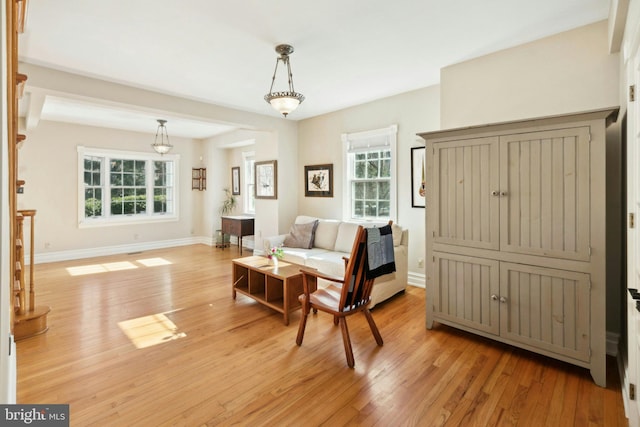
273	241
319	275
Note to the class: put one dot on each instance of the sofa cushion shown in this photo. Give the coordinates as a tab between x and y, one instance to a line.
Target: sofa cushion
301	235
346	235
300	256
326	233
328	262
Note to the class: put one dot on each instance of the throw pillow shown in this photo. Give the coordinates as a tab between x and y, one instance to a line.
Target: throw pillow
301	235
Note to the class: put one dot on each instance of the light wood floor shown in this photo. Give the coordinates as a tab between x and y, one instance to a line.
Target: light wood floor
234	362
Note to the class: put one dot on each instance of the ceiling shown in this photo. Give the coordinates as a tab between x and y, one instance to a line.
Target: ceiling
222	52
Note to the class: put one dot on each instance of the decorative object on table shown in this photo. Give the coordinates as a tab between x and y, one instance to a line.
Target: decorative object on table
318	181
229	203
198	179
161	144
274	254
266	174
287	101
418	182
235	180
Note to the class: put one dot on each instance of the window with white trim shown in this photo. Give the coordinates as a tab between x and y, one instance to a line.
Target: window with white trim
370	174
118	187
249	201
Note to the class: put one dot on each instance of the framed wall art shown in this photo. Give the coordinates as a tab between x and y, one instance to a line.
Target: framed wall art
318	181
418	182
235	180
198	179
266	174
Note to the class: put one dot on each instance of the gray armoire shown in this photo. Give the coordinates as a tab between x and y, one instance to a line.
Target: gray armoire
515	223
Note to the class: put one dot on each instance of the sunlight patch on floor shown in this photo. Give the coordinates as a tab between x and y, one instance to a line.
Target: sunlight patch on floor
154	262
83	270
100	268
150	330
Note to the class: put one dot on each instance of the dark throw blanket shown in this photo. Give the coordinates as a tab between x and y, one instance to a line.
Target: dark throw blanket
380	252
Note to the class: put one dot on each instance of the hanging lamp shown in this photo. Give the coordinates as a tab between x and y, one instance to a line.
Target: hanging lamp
284	102
161	144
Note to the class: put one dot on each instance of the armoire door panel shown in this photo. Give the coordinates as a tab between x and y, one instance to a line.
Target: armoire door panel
546	308
465	175
545	206
463	291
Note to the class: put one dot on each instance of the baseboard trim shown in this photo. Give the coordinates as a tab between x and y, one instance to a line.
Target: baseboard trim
416	279
613	340
624	383
117	249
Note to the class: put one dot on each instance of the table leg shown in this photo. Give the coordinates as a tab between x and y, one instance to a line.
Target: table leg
285	297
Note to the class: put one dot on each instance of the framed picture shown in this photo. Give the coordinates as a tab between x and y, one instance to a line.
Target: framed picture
418	182
266	174
235	180
318	181
199	179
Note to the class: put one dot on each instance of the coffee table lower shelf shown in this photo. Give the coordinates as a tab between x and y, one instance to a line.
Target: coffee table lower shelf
276	288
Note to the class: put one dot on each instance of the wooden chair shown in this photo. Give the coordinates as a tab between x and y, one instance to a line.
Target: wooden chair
353	296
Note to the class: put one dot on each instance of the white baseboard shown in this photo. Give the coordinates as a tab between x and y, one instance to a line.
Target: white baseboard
118	249
416	279
613	340
123	249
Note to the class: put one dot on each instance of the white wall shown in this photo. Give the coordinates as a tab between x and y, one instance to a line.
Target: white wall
566	73
48	163
198	210
320	143
272	216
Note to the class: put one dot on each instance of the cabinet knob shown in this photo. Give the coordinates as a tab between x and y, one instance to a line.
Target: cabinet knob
504	193
495	193
503	299
494	297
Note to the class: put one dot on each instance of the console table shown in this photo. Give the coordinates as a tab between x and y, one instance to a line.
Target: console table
239	226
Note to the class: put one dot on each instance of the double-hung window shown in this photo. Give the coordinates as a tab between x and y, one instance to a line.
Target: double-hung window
249	182
124	187
370	174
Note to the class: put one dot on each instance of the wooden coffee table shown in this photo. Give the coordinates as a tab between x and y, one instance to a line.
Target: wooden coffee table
277	288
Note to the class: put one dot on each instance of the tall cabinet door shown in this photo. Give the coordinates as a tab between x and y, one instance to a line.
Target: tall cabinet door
466	209
544	185
546	308
466	291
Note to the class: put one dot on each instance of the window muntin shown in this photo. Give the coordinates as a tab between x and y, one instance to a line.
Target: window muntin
120	187
163	178
371	184
128	187
370	174
249	183
92	186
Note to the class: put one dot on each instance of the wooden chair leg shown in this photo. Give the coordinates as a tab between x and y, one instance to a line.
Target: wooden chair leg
347	342
373	326
303	320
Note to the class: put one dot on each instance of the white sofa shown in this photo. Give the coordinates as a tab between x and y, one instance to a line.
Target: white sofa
333	240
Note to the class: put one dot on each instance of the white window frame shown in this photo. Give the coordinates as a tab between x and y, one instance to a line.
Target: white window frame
248	198
107	219
359	142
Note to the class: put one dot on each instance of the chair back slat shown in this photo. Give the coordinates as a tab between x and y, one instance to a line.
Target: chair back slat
357	291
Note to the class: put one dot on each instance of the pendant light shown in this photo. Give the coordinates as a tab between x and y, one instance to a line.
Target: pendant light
284	102
161	144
